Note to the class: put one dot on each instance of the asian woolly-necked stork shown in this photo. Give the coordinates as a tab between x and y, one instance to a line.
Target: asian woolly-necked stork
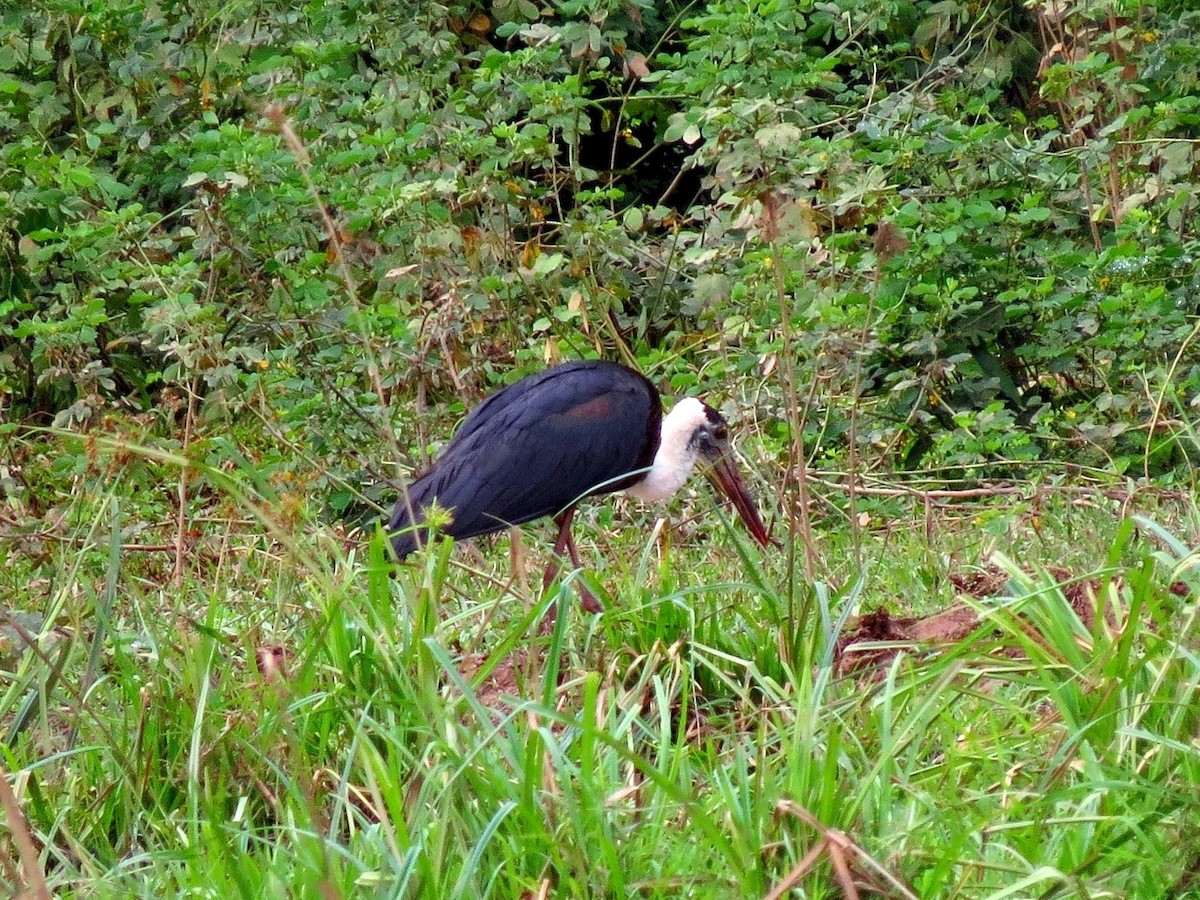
539	446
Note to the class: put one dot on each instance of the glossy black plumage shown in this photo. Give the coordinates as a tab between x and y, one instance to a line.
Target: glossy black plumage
535	448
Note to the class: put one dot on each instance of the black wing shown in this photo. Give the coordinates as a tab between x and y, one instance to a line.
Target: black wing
538	446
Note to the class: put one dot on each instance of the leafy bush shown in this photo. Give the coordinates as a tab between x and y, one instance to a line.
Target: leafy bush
977	223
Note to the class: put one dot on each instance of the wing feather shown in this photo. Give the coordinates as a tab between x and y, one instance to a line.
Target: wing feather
537	447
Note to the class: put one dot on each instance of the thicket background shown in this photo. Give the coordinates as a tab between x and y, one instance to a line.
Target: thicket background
971	226
276	250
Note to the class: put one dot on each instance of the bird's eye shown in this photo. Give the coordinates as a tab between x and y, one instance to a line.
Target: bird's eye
720	433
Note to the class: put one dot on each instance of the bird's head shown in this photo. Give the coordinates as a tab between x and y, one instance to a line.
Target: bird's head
715	454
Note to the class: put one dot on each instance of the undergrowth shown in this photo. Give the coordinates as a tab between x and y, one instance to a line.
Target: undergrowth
290	718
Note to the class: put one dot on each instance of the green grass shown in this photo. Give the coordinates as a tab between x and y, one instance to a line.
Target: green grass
692	741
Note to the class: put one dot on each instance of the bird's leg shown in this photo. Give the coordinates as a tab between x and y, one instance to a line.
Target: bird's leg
586	599
564	524
565	541
563	521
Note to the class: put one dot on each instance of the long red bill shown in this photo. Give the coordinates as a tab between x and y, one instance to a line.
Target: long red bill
726	478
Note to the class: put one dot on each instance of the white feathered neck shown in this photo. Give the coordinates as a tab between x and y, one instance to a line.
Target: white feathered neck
677	452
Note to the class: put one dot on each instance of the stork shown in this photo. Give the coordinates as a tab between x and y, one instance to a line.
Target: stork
539	446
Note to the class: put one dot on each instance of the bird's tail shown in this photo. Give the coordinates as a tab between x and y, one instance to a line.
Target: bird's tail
399	528
404	544
405	526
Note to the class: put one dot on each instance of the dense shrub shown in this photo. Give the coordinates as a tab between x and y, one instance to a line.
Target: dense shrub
980	221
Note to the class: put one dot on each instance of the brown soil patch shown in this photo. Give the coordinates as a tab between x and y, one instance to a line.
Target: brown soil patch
947	626
952	624
503	684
